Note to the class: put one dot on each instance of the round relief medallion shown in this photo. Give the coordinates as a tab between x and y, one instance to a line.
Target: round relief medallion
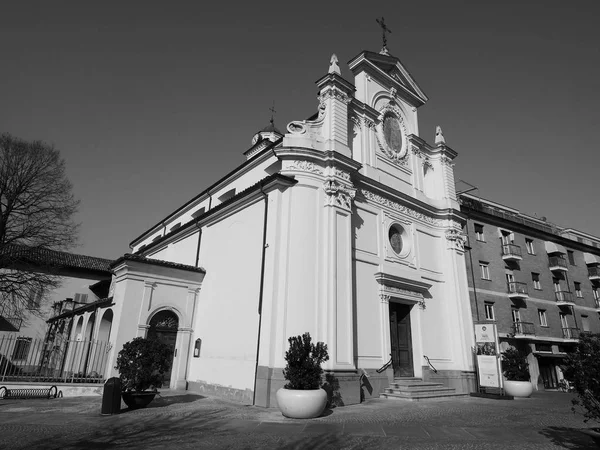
392	133
395	236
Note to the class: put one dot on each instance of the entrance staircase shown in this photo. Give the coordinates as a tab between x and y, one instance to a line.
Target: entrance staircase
415	389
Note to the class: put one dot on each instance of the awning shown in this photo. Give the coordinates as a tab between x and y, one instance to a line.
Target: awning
591	259
551	247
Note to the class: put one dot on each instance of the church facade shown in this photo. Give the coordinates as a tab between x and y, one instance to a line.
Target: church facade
346	226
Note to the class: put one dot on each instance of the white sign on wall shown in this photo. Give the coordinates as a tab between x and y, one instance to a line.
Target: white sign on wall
488	361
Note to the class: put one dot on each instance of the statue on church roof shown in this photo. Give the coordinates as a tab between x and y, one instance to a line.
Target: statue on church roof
333	65
439	137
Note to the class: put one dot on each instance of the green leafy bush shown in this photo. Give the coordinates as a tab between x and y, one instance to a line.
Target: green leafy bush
142	364
582	369
514	365
303	369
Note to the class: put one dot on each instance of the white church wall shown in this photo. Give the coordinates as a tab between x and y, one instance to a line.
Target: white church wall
369	326
182	251
227	315
303	262
429	251
366	230
237	183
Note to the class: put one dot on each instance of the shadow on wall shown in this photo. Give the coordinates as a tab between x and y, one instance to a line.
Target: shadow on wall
332	387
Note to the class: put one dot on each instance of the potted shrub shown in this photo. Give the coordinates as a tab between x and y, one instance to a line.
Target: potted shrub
582	369
302	396
515	369
142	364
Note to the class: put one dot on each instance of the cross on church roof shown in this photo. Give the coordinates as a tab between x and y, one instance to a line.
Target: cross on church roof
384	29
272	109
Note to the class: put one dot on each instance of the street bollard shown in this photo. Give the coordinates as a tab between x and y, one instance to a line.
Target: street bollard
111	397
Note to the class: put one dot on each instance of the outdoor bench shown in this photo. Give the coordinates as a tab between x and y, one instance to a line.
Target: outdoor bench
26	393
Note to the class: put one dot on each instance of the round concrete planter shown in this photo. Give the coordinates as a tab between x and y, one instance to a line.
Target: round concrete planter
518	388
301	404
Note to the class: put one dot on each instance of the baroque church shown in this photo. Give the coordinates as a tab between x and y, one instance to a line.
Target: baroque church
346	225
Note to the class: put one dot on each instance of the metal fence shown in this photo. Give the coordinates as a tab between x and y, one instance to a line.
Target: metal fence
28	359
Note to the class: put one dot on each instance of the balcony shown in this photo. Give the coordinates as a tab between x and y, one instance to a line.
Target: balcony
557	264
523	329
564	298
517	290
594	273
570	333
511	252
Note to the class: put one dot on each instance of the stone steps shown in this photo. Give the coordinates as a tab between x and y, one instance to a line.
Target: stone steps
415	389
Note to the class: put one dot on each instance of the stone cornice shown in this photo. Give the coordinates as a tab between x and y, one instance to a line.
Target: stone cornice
323	158
396	200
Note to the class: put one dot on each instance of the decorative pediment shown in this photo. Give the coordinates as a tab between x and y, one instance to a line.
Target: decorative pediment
400	287
391	68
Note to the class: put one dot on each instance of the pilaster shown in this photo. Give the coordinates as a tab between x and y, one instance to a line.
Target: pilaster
338	281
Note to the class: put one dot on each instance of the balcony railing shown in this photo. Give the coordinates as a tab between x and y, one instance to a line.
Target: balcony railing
571	333
564	297
557	263
523	329
517	289
511	252
597	303
594	273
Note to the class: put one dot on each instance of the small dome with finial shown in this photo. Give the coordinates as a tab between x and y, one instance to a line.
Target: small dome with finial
269	132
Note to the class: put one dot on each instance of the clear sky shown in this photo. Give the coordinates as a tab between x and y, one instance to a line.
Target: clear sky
151	102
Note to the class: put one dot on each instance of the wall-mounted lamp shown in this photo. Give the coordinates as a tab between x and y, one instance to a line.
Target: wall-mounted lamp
197	346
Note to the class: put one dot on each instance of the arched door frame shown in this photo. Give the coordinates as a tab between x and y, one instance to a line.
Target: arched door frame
178	355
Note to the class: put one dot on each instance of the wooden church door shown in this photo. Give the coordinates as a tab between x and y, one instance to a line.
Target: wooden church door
401	341
163	327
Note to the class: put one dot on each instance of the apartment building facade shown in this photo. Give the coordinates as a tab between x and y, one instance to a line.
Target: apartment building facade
540	283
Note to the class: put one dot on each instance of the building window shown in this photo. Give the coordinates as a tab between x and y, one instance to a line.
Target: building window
571	257
543	318
516	314
556	283
596	295
578	289
489	311
21	349
485	270
543	348
585	324
535	277
510	278
507	237
530	247
564	323
479	232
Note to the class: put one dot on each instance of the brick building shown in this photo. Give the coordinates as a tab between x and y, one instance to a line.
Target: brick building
539	282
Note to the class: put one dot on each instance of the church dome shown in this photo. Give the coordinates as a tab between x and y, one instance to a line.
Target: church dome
269	132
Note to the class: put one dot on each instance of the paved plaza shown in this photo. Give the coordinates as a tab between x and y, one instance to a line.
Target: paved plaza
181	420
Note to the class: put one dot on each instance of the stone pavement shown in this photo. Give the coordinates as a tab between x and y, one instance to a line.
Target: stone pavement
178	419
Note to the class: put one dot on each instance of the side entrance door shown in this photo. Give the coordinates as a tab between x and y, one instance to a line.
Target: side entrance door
402	357
163	327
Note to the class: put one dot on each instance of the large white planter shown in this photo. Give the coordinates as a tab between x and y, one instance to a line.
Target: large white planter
518	388
301	404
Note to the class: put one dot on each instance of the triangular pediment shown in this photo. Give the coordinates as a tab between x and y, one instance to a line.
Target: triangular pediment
389	67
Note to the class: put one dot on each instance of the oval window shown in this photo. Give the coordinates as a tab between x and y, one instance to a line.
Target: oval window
395	236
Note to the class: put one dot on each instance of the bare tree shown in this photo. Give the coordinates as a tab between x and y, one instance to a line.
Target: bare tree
36	213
